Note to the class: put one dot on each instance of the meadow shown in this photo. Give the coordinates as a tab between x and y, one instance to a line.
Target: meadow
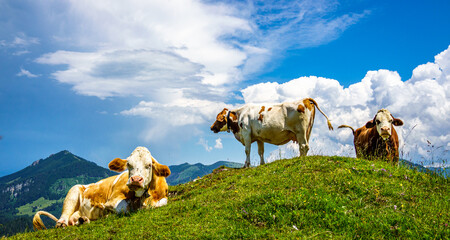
313	197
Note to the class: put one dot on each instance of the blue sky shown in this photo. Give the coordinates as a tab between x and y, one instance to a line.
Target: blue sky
99	79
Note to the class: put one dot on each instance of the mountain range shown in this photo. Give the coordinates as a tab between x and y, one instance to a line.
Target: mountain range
44	184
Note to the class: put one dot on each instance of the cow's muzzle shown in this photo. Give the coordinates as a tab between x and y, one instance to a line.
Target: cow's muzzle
136	182
214	129
385	132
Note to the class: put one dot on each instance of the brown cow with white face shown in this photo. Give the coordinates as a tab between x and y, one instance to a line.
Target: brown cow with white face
143	185
378	138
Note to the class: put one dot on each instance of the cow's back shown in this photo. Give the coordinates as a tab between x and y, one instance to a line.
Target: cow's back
276	123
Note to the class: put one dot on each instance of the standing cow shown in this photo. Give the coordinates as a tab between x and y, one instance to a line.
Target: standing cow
142	185
276	124
378	138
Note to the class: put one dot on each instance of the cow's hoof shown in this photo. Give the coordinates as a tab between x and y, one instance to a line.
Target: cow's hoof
83	220
61	225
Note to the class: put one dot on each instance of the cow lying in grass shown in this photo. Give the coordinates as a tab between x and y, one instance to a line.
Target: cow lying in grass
142	185
378	138
276	124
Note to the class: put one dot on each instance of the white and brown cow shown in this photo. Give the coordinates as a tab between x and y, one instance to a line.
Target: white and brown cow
378	138
142	185
276	124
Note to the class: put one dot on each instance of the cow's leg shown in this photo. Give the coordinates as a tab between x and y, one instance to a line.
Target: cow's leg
302	143
70	206
248	146
261	152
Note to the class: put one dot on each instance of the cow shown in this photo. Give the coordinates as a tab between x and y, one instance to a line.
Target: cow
275	124
378	138
143	185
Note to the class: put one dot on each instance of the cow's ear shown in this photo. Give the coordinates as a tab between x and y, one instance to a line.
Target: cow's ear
397	122
118	165
370	124
161	170
233	116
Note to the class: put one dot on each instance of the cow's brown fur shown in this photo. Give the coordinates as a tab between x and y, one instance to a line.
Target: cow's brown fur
370	145
261	116
300	108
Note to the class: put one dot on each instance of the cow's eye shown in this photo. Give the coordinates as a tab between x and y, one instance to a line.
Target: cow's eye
148	166
378	121
129	166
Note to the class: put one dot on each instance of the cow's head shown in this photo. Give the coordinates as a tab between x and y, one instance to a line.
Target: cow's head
384	121
142	167
221	122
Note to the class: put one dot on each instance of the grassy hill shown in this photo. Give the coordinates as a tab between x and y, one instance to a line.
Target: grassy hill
309	197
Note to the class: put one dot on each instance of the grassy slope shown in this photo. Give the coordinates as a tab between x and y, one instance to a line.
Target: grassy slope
322	197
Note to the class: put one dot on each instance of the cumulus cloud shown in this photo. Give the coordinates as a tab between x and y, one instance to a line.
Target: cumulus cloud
218	144
183	58
421	102
26	73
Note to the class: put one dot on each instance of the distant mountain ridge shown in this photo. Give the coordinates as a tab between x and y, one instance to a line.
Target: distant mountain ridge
187	172
44	184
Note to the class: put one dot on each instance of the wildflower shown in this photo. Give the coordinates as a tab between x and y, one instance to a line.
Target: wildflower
383	169
295	227
395	207
243	210
401	185
390	175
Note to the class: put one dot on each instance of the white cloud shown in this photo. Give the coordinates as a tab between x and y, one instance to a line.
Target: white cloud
204	143
26	73
21	40
218	144
421	102
184	51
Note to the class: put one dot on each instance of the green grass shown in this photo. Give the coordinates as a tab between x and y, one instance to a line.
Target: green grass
310	197
31	208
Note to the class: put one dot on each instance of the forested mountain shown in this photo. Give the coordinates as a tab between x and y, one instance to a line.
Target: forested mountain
42	186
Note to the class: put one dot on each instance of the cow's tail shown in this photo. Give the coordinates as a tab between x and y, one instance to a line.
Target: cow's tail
37	221
346	126
330	127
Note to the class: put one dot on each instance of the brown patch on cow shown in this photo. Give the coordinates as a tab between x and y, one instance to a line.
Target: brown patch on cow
260	118
308	104
300	108
269	109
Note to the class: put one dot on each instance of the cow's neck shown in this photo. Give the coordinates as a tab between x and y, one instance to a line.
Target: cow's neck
136	202
232	122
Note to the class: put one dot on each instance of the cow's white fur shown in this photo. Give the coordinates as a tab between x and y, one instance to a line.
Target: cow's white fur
282	123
